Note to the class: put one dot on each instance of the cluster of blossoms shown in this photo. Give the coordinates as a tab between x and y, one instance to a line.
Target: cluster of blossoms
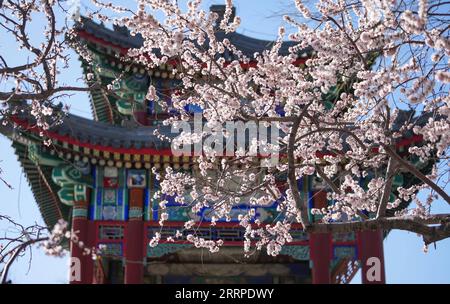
351	198
198	242
61	235
272	237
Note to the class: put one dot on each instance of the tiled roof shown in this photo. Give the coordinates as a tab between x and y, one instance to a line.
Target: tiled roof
121	38
105	134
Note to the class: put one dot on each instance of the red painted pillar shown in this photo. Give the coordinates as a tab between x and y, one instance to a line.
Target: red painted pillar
81	261
81	266
320	254
372	257
77	273
320	246
134	249
90	243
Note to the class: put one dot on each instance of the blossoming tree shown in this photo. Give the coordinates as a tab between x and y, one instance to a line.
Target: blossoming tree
379	71
373	60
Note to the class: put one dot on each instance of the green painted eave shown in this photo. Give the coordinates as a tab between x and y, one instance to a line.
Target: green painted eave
44	190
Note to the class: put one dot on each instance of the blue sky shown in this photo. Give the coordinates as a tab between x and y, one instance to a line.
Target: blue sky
405	260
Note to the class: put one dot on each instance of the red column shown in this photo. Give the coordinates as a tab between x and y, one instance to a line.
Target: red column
81	266
78	259
134	249
372	257
320	255
320	245
90	243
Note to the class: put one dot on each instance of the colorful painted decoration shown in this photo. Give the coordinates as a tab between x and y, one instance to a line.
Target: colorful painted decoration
73	184
163	249
137	179
79	212
297	252
265	214
83	167
36	155
109	213
66	195
80	193
110	172
109	204
135	212
344	252
109	196
110	177
110	182
68	175
344	237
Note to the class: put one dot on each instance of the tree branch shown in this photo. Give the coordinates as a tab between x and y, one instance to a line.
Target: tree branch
406	165
390	172
15	254
430	234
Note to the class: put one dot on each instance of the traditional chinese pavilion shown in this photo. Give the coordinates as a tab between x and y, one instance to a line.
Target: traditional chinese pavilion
96	175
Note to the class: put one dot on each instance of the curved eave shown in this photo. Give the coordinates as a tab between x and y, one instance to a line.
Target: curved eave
108	36
96	135
100	105
44	191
